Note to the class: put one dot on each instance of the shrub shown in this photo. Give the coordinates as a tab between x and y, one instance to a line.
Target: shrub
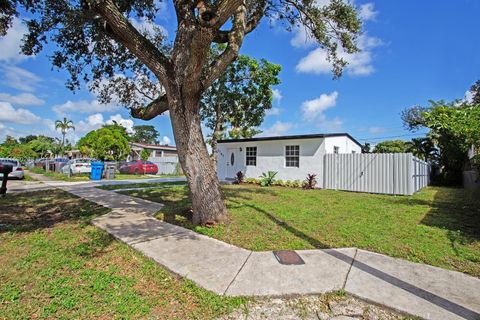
288	183
297	183
240	178
252	181
267	178
310	182
280	183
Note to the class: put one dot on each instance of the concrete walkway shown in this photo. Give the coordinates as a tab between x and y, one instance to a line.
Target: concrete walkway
416	289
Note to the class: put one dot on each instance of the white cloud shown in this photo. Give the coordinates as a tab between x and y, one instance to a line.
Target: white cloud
83	106
10	43
20	116
18	78
148	27
314	109
302	38
277	95
23	99
359	63
468	97
95	121
367	12
277	129
376	130
272	112
166	140
126	123
92	122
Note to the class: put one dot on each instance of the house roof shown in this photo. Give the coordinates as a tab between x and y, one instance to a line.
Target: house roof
154	146
295	137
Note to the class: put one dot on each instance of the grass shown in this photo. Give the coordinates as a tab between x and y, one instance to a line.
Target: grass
143	185
86	177
437	226
54	264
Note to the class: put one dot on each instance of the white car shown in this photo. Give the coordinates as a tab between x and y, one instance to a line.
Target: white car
17	170
77	166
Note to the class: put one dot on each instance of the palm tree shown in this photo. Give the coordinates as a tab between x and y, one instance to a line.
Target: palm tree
423	148
64	125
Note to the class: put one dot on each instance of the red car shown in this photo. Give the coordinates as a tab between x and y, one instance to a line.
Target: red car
139	167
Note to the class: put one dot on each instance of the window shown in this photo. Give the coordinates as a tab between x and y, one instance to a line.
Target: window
158	153
251	156
292	156
336	149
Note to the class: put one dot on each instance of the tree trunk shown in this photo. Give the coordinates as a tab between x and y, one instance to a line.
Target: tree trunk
207	198
216	134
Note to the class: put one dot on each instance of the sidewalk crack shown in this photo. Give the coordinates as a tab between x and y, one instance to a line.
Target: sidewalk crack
350	268
236	275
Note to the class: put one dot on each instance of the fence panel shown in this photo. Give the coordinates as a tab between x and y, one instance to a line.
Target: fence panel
398	173
166	165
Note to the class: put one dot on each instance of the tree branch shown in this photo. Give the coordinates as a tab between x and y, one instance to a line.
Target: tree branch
153	109
235	39
222	35
130	37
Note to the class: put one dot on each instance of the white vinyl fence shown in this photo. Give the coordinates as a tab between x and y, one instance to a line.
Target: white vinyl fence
388	173
166	165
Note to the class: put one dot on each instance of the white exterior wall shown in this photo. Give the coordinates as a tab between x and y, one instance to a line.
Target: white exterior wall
271	157
345	144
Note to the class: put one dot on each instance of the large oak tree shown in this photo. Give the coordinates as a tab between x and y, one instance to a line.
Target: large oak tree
97	40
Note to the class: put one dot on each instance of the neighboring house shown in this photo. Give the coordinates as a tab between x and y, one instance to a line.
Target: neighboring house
164	156
156	151
293	157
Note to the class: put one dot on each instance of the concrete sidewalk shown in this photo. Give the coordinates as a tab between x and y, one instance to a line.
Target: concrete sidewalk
416	289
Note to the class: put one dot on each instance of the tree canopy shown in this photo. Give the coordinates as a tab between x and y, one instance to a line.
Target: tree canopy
454	128
145	134
107	143
391	146
235	105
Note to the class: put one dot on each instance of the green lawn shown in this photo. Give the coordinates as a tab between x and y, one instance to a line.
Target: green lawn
55	265
437	226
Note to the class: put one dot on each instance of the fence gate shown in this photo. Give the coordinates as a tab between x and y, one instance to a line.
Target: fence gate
389	173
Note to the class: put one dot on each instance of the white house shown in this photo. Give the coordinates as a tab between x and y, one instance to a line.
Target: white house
293	157
164	156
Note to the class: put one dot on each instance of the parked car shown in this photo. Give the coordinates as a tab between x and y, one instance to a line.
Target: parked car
17	170
77	166
139	167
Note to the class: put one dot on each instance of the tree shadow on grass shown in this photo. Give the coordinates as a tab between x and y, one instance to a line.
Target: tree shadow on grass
458	211
287	227
31	211
177	202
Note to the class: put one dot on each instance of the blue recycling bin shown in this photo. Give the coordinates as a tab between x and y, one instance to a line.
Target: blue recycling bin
97	169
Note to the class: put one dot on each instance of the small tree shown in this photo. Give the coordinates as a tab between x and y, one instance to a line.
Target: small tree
235	104
106	143
391	146
145	154
145	134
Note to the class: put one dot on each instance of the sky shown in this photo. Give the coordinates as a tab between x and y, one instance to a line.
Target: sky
412	51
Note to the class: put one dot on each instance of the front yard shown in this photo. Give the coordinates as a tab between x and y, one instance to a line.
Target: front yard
55	265
437	226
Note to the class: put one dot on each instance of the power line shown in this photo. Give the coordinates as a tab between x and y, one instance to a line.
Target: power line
392	137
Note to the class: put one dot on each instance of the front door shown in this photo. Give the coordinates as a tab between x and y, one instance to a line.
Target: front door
232	163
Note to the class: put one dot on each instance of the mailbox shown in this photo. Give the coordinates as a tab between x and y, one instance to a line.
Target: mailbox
5	169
